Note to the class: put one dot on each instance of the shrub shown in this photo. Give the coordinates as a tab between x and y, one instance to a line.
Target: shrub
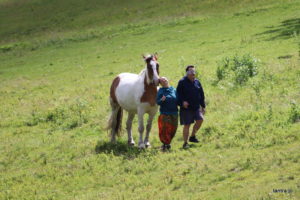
238	69
222	69
294	115
65	117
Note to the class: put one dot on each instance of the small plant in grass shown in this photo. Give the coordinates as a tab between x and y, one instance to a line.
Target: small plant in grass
237	69
35	118
269	114
65	117
294	115
223	68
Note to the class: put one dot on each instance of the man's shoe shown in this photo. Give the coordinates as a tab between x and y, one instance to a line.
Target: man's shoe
194	139
186	145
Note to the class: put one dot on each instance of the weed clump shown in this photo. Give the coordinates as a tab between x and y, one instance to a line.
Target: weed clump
237	69
66	117
294	115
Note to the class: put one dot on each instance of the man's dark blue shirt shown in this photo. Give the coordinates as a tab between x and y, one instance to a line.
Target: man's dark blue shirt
192	92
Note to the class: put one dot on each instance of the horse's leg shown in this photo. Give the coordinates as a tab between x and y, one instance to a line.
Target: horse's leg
148	129
141	127
129	128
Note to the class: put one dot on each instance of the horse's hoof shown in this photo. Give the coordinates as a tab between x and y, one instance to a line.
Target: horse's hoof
131	143
113	141
147	144
142	146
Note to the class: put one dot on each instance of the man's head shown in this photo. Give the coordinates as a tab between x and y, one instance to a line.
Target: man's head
190	72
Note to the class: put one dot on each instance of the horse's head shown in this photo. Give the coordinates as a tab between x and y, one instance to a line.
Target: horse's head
152	69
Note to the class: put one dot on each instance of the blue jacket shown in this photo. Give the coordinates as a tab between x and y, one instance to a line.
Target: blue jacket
169	106
192	92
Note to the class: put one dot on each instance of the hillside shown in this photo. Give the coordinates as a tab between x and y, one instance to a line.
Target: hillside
57	61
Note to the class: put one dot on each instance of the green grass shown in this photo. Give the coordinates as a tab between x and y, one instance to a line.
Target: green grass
58	59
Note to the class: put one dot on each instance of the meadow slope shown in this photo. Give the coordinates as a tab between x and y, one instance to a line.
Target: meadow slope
57	61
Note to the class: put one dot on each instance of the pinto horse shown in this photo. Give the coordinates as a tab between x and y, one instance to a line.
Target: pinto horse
135	93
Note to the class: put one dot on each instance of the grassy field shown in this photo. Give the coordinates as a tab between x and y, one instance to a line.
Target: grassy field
57	61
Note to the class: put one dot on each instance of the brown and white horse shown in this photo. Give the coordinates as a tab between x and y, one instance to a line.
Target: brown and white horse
135	93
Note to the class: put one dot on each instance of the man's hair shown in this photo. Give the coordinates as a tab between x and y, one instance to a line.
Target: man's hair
189	67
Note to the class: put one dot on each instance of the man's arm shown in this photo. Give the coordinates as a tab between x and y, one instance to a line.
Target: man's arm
179	92
202	96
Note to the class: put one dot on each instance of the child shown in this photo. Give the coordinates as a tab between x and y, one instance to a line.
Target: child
168	118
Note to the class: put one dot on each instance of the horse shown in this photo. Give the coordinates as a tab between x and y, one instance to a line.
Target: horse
135	93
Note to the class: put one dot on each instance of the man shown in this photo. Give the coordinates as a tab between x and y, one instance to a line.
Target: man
191	98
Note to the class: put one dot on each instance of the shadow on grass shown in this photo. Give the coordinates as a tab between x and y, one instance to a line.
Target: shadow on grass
121	148
287	29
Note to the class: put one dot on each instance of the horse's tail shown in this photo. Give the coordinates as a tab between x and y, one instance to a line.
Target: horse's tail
114	124
115	119
118	127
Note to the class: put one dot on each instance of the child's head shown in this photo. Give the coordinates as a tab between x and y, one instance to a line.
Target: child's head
164	82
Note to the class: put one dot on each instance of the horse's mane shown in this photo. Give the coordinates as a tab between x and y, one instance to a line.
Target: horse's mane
142	72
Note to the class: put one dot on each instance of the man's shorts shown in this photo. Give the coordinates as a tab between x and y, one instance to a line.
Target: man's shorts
189	116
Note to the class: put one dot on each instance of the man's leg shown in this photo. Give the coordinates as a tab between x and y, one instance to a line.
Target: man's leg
186	129
199	120
186	119
196	127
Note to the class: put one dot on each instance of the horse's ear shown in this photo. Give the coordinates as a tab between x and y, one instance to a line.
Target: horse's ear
155	55
144	57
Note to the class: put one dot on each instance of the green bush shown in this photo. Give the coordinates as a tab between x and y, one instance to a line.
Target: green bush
294	115
237	69
222	69
64	117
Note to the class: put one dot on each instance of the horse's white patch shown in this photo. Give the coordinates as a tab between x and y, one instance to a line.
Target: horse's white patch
129	91
155	74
